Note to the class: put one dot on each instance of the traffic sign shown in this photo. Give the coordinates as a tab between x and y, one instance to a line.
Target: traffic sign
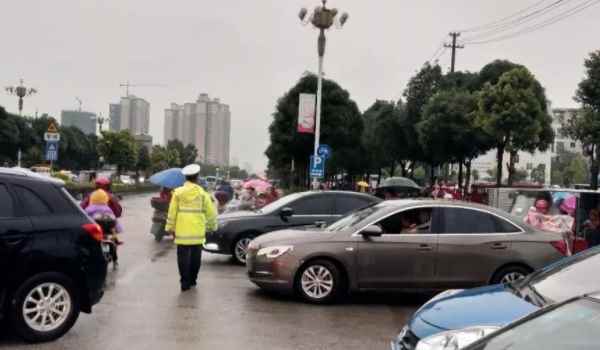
51	137
51	151
52	129
317	166
324	151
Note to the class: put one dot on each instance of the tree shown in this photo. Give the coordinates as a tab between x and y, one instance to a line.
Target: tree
514	117
120	149
420	89
448	131
476	175
520	175
189	155
569	168
144	162
585	127
162	158
341	128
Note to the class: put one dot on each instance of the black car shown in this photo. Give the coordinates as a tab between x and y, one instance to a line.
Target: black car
237	229
51	261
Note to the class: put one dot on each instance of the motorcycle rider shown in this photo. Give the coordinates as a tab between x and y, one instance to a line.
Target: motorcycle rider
104	183
191	214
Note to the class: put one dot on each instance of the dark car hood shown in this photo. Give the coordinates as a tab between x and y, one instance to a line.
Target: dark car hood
495	305
292	237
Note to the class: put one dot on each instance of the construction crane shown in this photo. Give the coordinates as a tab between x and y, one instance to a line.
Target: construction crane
79	102
127	85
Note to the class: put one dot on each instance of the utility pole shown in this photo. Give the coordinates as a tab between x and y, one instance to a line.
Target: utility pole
454	46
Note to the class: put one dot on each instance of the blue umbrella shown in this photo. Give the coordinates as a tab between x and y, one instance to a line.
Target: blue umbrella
558	197
170	178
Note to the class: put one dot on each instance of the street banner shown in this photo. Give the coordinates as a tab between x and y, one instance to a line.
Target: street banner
306	113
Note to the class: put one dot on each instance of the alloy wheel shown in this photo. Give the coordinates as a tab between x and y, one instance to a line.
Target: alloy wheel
317	282
47	307
511	277
241	248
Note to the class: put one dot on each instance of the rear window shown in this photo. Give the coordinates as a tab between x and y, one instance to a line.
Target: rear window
33	205
7	206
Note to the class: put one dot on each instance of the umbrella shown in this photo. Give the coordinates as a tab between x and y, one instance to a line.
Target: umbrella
399	182
258	184
569	205
558	197
362	184
170	178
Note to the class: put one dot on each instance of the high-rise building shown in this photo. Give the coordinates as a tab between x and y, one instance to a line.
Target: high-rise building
205	123
84	121
132	113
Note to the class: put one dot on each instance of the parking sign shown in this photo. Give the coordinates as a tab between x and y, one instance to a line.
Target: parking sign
51	151
317	166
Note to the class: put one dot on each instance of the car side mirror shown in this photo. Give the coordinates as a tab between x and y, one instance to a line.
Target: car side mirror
285	213
372	231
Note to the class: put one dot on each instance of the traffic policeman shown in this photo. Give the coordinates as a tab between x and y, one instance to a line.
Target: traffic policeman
191	214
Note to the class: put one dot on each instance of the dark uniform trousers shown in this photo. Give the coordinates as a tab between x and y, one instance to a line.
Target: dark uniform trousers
189	258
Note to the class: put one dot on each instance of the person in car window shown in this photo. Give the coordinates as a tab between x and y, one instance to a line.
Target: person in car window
408	225
592	229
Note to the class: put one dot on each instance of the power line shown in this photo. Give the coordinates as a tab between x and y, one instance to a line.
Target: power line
453	46
560	17
519	21
494	23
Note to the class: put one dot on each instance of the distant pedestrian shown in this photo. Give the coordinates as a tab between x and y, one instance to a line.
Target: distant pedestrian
191	214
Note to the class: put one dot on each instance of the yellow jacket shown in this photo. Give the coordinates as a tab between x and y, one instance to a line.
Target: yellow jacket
191	214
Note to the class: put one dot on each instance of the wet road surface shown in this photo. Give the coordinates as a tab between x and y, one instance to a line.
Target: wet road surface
143	308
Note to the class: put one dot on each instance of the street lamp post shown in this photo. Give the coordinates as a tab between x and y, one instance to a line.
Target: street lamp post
322	18
21	92
100	120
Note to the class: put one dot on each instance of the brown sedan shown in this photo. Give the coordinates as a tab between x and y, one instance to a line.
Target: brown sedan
402	245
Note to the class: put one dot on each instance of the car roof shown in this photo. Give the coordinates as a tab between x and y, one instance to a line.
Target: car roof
400	203
537	190
22	173
351	193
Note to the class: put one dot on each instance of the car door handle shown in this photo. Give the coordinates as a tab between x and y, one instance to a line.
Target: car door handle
14	241
499	246
425	248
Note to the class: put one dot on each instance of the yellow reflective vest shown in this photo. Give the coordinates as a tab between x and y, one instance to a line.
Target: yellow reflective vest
191	214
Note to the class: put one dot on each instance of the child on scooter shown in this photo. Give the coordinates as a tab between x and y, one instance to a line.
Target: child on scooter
99	208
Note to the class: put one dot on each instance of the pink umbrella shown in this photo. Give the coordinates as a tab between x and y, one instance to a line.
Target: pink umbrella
258	184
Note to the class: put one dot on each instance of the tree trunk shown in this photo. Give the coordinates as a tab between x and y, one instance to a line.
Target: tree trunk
432	175
594	169
499	165
460	175
379	171
468	179
511	167
412	170
393	169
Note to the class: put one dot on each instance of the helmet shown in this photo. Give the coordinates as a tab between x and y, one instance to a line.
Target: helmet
102	182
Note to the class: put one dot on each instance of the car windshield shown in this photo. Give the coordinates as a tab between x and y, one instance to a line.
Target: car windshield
352	219
280	203
575	325
566	278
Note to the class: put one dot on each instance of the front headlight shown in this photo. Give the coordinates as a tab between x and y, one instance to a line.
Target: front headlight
454	340
275	252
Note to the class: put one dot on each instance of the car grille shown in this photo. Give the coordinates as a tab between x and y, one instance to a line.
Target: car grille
407	339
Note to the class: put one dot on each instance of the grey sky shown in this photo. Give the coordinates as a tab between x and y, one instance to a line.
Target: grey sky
249	52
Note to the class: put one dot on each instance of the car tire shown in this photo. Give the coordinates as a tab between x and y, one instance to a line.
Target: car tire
510	274
240	247
319	282
46	296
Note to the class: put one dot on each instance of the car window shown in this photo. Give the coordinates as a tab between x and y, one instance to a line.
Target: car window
575	325
346	204
32	203
408	221
7	206
314	205
462	220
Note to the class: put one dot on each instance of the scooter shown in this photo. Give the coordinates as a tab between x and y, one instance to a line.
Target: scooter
109	244
159	218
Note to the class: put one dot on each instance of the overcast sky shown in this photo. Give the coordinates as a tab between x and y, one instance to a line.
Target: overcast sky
249	52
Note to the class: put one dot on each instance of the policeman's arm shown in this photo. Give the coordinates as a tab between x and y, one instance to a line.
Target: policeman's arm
210	213
172	216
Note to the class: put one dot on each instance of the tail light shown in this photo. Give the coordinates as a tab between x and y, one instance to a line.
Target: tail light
94	230
561	246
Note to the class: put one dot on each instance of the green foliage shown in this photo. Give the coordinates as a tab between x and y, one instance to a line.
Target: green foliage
143	162
586	126
569	168
475	175
341	128
120	149
520	175
513	115
163	158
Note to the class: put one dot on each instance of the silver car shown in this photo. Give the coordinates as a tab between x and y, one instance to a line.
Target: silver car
402	245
